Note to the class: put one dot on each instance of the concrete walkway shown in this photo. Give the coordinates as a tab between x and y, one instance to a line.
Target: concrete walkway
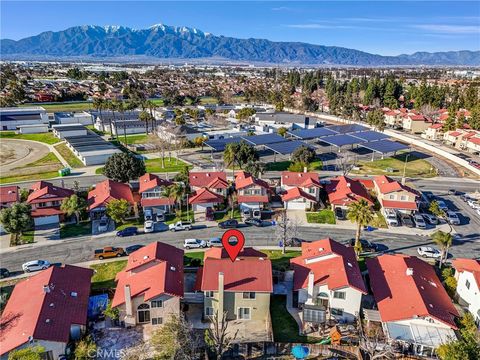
291	310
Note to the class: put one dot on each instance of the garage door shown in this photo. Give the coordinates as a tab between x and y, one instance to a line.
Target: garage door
296	205
47	220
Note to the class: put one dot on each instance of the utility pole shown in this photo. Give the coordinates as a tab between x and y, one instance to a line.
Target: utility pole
405	168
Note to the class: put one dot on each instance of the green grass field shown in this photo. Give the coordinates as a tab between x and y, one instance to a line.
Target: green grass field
59	107
104	277
173	165
69	156
415	167
135	139
40	176
72	230
47	138
44	166
325	216
49	159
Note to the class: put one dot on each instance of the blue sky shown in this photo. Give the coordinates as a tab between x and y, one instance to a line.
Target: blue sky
383	27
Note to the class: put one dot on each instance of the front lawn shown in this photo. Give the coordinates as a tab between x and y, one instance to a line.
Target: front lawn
72	230
104	277
172	218
281	262
68	155
222	216
325	216
416	167
285	328
47	138
171	165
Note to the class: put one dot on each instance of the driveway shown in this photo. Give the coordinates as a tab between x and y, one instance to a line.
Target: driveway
47	232
298	217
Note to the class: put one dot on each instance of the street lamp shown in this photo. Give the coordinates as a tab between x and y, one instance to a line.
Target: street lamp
405	168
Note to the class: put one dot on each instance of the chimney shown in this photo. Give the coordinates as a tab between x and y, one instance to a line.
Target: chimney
304	169
46	289
220	294
409	271
128	301
310	288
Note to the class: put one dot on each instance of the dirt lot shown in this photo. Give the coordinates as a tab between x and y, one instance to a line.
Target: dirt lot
15	154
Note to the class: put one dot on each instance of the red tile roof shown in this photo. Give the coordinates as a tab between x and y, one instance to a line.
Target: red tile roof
205	196
43	191
436	126
252	198
474	140
152	270
417	118
151	181
404	205
156	201
343	191
205	179
290	178
400	296
221	253
247	273
296	193
9	194
470	265
387	185
31	311
339	268
244	179
455	133
46	212
107	191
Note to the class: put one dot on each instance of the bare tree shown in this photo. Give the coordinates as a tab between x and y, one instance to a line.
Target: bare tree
285	229
345	163
217	336
161	145
372	343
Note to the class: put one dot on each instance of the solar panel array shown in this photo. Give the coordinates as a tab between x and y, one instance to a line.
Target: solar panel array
306	134
287	147
370	135
220	144
384	146
348	128
263	139
342	140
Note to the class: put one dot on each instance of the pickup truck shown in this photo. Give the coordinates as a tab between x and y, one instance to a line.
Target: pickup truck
180	225
109	252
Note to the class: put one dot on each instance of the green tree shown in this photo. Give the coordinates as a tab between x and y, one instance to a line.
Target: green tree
16	220
124	167
255	168
282	131
28	353
460	121
467	347
245	113
176	192
434	208
85	349
110	312
183	175
474	120
361	213
73	205
118	210
376	118
304	155
444	241
145	117
451	120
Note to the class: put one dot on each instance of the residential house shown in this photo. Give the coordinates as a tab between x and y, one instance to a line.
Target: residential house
252	193
472	143
414	308
240	288
393	195
216	181
463	139
327	283
45	200
151	188
9	195
467	274
342	191
149	289
301	190
105	192
48	310
434	132
415	123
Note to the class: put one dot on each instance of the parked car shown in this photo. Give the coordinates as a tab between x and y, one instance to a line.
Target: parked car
228	224
214	242
430	218
294	241
407	220
149	226
473	204
254	222
194	244
367	246
148	214
340	213
109	252
428	252
160	216
133	248
452	218
103	224
35	265
419	221
391	217
128	231
441	205
4	273
180	225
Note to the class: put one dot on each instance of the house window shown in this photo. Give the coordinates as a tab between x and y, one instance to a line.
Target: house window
249	295
157	321
339	295
244	313
311	190
209	294
209	311
391	196
143	312
403	197
157	303
337	312
467	284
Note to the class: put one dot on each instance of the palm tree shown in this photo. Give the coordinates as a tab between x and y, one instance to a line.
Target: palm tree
99	104
145	117
168	192
73	205
361	213
230	156
150	105
444	241
113	106
177	193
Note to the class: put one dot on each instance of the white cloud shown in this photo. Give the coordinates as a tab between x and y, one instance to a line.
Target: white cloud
319	26
449	29
281	8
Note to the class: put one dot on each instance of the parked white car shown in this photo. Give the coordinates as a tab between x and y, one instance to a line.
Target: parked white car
428	252
194	244
35	265
180	225
473	204
390	217
214	242
149	226
452	218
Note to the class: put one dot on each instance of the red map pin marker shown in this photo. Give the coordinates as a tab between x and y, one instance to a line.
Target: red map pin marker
233	249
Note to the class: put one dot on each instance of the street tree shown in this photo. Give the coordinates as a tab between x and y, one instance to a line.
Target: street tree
118	210
73	205
304	155
361	213
16	220
285	229
217	337
124	167
282	131
444	241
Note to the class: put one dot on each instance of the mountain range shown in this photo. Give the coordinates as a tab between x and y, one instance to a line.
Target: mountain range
161	43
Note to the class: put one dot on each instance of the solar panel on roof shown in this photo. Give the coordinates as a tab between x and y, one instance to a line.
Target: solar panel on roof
384	146
219	145
370	135
263	139
347	129
342	140
306	134
287	147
